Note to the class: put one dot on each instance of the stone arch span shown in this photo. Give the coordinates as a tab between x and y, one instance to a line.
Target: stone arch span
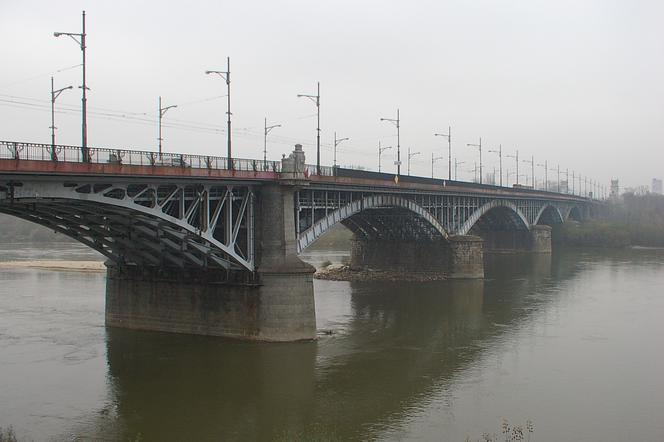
549	214
516	216
379	201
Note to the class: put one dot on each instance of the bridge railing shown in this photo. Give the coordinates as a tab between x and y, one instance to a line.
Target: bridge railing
74	154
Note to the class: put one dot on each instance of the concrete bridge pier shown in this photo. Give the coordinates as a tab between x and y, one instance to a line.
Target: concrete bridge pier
458	257
276	303
540	239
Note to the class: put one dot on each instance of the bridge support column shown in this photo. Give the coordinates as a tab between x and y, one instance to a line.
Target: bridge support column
274	304
466	257
540	239
287	311
399	255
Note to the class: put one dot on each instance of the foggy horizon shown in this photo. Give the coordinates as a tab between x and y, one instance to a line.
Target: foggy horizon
577	85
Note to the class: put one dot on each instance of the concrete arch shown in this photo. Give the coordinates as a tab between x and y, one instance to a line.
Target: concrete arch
556	211
475	216
321	226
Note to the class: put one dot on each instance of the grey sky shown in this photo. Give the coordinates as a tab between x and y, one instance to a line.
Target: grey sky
576	82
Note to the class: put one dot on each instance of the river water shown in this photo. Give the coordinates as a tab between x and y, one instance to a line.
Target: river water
571	342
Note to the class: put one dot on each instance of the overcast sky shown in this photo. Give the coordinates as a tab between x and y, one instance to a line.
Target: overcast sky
578	83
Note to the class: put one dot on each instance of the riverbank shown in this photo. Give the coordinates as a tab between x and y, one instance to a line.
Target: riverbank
609	234
58	265
340	272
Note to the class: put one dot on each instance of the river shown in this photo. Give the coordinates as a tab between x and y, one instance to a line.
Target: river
571	342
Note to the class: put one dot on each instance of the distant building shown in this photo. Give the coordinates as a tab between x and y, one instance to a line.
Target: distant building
657	186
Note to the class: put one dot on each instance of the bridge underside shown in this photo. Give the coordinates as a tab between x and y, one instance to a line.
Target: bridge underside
127	237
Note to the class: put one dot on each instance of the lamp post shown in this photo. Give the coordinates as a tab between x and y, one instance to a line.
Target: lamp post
267	130
546	174
316	100
226	75
500	158
433	160
558	186
532	170
479	146
456	165
448	135
567	180
411	155
162	112
516	157
79	38
380	153
336	143
54	95
397	122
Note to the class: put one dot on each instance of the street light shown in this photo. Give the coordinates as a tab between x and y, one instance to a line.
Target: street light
500	157
456	165
448	135
433	160
546	174
397	122
162	112
80	40
532	170
516	158
268	129
226	75
380	153
316	100
480	148
411	155
54	95
336	143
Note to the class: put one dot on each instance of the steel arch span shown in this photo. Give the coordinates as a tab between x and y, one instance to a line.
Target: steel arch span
518	216
557	216
154	223
317	226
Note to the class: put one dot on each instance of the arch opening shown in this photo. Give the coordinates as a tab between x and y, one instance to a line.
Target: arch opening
502	229
549	216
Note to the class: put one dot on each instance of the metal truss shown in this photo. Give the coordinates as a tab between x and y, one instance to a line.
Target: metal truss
417	214
166	224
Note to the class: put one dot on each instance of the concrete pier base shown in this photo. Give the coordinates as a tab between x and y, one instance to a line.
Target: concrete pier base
399	255
278	308
540	239
460	257
466	257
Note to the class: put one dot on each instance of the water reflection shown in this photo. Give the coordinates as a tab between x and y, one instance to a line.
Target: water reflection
403	343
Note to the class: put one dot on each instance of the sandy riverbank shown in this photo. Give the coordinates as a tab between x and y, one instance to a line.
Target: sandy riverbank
67	266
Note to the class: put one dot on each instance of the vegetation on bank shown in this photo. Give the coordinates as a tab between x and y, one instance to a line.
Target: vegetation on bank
7	435
637	220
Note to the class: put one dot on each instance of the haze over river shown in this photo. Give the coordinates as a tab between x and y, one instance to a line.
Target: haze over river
572	342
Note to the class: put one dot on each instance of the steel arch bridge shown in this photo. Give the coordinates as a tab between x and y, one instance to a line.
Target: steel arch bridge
145	222
419	215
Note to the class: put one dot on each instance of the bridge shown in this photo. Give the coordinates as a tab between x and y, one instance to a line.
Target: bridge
200	244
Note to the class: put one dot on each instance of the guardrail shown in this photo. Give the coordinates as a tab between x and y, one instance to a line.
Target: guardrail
74	154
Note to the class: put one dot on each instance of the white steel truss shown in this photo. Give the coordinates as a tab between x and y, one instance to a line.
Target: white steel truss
148	223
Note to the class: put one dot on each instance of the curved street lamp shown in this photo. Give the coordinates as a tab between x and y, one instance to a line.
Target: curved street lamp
54	95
